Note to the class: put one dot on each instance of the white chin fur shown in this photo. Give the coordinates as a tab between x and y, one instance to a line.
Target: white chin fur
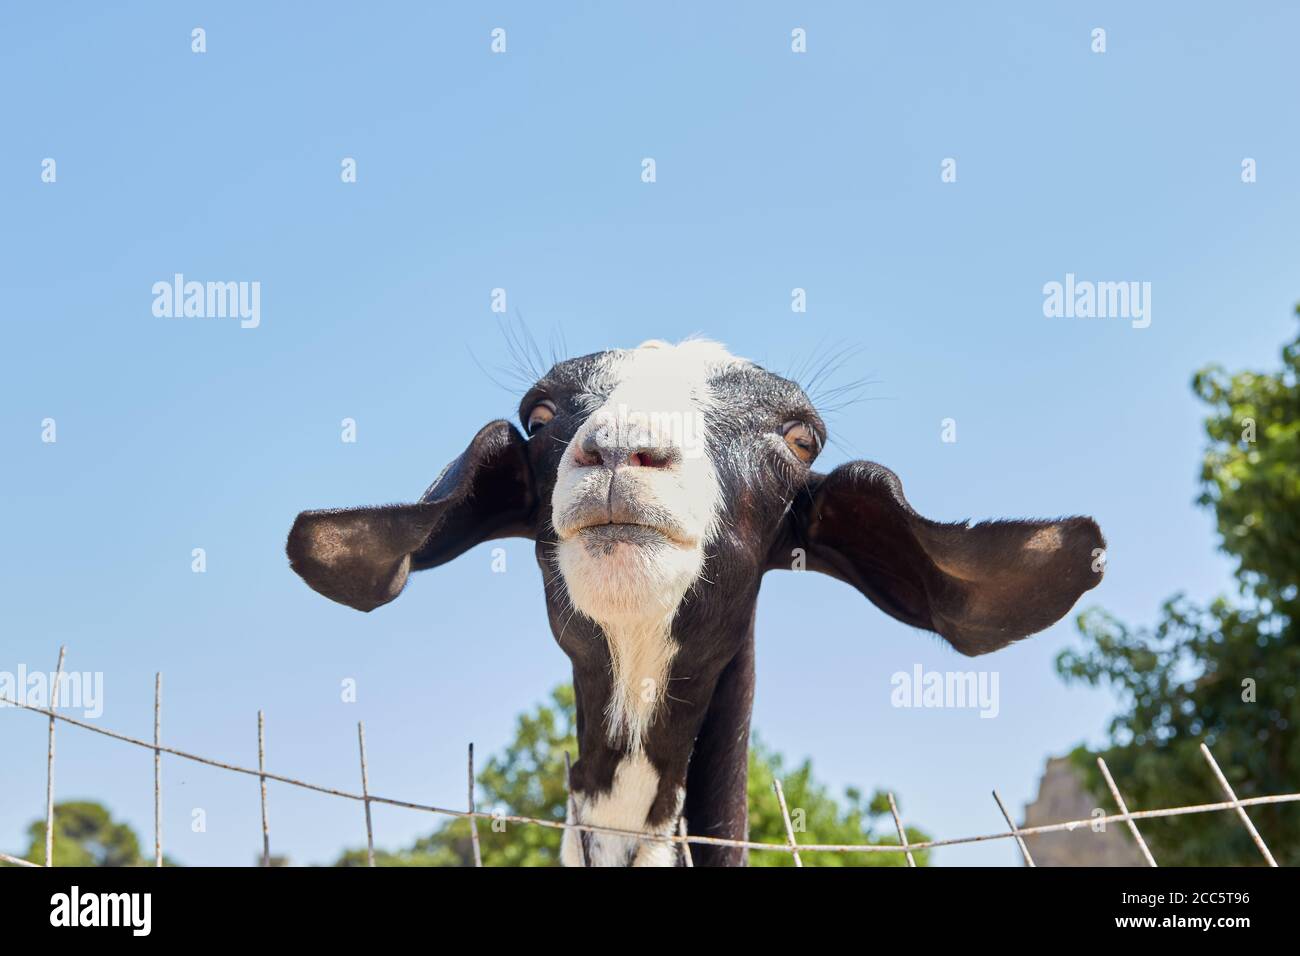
627	582
632	591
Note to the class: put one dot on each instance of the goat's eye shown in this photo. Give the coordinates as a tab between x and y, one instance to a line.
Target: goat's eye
542	413
801	440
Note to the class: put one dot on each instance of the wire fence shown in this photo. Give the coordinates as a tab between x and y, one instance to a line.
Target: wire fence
682	837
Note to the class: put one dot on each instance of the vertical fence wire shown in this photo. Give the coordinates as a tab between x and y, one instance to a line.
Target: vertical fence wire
789	827
49	762
157	769
1241	811
365	793
1029	860
261	776
572	813
898	825
473	821
1123	808
687	859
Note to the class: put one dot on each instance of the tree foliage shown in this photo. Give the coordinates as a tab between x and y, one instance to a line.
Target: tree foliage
85	834
527	779
817	817
1224	673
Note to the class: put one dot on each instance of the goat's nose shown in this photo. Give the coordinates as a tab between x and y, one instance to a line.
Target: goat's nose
595	449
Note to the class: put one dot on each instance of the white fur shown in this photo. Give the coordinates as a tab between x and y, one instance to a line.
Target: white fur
661	399
624	808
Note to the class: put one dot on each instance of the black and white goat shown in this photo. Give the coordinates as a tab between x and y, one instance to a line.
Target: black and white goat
660	483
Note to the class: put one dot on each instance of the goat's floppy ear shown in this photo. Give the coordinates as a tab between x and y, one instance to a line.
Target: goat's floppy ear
981	587
361	556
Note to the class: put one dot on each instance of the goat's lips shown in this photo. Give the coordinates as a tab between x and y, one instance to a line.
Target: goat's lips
606	536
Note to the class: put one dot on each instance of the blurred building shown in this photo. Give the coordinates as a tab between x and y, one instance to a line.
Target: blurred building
1062	798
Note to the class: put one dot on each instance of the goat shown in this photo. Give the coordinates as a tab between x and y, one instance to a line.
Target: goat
659	484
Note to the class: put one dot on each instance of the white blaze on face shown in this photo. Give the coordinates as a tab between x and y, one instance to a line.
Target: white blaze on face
660	401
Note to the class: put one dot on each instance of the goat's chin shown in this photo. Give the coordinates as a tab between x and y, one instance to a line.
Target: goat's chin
625	579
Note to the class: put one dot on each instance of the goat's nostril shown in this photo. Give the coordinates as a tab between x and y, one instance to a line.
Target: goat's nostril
587	452
597	451
649	458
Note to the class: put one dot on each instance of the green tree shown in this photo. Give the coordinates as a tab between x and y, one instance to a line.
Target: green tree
85	834
1224	673
528	780
817	817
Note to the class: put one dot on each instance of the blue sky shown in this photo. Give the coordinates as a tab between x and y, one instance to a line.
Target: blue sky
522	171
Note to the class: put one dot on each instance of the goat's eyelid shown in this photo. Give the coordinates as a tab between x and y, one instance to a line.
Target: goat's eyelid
534	422
802	440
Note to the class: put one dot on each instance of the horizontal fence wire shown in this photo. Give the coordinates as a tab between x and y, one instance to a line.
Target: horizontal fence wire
1015	833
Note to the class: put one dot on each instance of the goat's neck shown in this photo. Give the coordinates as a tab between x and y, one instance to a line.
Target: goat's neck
639	781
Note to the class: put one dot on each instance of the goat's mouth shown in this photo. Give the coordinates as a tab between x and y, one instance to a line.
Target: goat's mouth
613	518
604	537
